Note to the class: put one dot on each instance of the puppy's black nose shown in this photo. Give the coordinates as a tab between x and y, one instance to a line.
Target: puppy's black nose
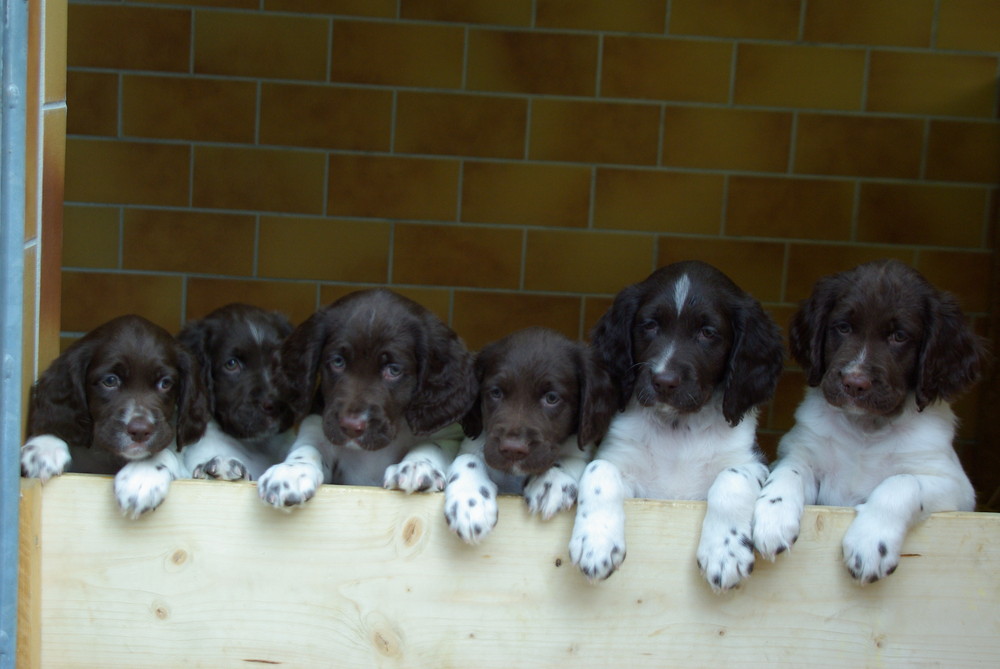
139	429
856	383
667	381
267	406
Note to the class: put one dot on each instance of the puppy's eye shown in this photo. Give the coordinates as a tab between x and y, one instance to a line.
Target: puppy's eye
165	384
899	337
111	381
392	371
843	327
338	362
232	365
495	393
649	325
708	332
551	398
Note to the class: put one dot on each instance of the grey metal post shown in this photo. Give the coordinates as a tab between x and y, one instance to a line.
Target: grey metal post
13	118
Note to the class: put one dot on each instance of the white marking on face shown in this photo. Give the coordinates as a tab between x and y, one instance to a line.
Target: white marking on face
256	333
681	289
856	366
661	364
133	410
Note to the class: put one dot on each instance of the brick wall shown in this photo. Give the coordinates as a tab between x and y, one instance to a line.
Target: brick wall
518	162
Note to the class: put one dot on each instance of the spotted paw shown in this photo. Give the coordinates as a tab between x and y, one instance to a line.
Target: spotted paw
43	457
141	487
551	492
289	484
222	469
871	551
413	476
725	556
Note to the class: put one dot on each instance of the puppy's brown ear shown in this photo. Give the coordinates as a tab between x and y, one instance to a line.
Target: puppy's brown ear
611	341
196	337
300	357
807	331
472	422
446	380
755	361
598	398
58	401
193	409
951	355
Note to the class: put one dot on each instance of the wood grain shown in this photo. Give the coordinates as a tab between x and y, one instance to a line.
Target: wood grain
29	600
365	577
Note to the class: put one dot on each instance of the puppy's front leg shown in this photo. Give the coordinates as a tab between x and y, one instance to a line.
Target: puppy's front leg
725	550
142	485
556	489
44	456
597	545
308	464
470	497
874	540
423	467
216	455
778	509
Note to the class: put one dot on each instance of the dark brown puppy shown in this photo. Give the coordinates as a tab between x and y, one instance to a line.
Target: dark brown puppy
129	389
238	347
375	372
544	403
537	389
884	352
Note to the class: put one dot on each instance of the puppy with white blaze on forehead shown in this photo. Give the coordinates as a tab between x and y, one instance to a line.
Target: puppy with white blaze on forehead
883	352
693	355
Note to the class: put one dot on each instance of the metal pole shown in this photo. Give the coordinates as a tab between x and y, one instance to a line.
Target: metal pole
13	117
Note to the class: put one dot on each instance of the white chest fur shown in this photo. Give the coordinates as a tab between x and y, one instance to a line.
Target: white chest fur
676	456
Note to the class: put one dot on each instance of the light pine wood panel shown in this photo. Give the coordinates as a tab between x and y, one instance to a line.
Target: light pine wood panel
365	577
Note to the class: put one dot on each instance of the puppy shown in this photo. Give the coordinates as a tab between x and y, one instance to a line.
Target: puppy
129	389
238	347
389	374
693	355
543	404
883	352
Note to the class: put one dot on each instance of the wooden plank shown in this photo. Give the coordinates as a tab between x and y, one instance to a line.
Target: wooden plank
29	598
365	577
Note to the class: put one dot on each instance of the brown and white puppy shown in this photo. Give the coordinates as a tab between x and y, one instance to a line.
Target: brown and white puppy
238	347
127	390
883	352
544	402
389	375
693	355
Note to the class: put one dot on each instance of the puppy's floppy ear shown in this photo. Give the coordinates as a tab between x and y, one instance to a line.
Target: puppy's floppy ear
807	331
951	355
755	360
446	380
58	402
472	421
196	337
300	355
611	341
193	409
598	400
